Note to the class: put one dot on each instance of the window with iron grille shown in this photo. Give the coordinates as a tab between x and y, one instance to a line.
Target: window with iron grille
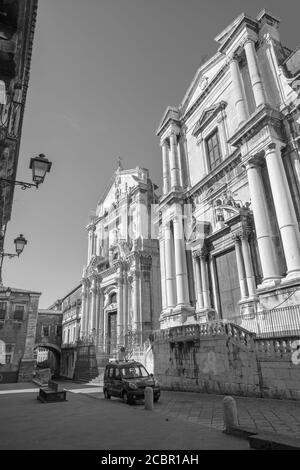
213	150
3	307
19	312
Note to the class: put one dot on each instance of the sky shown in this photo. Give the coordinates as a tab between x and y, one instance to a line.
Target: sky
103	72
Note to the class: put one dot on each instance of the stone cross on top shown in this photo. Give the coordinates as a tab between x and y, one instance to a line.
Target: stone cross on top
120	164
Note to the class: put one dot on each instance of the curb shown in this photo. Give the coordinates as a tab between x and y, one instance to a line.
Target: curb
261	440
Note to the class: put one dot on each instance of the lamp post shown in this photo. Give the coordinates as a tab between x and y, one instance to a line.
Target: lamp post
40	166
20	243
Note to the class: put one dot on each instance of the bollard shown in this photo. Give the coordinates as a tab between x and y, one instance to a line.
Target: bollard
149	398
230	415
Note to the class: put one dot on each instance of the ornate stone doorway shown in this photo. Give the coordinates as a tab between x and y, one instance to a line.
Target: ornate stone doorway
228	283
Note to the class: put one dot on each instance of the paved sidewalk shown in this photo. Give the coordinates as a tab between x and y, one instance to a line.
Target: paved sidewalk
280	416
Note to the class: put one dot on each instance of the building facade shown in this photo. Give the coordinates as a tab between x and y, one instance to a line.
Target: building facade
230	211
71	318
17	25
48	339
18	321
121	290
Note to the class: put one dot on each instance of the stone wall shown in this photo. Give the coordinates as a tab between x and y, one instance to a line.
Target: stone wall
279	362
220	357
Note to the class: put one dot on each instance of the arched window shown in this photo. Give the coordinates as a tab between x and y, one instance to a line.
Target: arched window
113	298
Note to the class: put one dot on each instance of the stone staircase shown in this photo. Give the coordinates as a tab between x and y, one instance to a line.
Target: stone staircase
98	381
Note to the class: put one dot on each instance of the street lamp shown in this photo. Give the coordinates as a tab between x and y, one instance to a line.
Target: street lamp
20	243
40	166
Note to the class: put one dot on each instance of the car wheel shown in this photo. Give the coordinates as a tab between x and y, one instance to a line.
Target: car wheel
106	394
125	397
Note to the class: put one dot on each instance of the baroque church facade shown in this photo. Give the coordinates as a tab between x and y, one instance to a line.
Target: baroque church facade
121	290
230	210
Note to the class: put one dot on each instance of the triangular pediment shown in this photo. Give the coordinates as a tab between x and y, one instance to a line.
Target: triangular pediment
227	32
171	114
207	115
205	74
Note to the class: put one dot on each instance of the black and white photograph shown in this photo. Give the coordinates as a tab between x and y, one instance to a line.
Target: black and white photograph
149	228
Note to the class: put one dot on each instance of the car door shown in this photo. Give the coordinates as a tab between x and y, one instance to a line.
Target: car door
109	383
117	383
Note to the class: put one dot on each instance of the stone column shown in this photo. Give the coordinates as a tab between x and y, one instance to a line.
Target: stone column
214	282
90	244
199	289
204	278
241	267
84	308
264	232
285	211
101	319
169	268
255	76
240	104
97	310
120	322
166	167
125	304
92	325
174	163
180	262
135	299
248	265
163	271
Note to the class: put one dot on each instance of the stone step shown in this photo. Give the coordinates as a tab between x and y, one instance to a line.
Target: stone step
97	380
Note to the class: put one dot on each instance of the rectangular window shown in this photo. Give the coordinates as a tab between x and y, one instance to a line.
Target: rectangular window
9	352
58	330
3	306
46	330
19	312
213	150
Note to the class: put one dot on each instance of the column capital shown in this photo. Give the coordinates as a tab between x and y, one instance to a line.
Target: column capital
256	161
236	237
201	253
240	234
270	147
248	39
164	143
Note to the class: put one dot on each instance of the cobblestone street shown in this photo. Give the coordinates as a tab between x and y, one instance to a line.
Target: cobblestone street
266	415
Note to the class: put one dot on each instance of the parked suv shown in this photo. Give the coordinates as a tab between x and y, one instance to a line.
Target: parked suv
128	381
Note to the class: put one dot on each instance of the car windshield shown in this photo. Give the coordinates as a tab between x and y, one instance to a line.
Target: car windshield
133	372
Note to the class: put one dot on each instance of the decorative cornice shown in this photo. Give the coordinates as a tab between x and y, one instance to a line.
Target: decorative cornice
263	115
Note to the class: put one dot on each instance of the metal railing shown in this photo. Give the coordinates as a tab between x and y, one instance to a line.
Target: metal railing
277	322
